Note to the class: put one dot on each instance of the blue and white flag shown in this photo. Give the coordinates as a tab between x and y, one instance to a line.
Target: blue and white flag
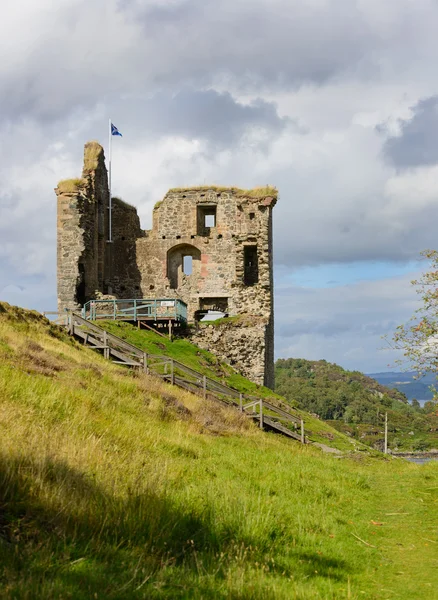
115	131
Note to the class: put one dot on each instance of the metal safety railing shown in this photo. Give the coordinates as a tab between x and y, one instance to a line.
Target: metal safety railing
157	309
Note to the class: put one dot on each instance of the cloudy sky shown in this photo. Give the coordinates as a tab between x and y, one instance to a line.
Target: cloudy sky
333	101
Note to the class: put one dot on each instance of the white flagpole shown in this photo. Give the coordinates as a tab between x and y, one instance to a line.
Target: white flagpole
109	185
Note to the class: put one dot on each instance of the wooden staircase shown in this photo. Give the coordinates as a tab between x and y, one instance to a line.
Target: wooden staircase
277	417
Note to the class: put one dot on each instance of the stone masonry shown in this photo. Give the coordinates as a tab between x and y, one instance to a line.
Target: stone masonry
211	247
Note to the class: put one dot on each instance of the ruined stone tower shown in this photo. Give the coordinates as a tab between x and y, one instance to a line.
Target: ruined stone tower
211	247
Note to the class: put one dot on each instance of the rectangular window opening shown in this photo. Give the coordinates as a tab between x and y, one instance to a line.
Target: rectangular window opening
206	219
251	265
187	264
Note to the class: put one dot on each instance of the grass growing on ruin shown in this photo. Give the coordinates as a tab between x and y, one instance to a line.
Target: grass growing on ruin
236	320
122	203
115	486
70	186
258	192
92	152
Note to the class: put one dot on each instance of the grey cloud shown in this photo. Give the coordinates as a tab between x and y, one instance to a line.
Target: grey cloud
86	53
258	43
417	144
208	115
311	216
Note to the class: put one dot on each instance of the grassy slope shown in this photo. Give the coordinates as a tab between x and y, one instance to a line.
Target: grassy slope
115	486
206	363
355	403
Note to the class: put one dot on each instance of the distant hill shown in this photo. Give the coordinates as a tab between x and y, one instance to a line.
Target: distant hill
332	392
355	403
406	383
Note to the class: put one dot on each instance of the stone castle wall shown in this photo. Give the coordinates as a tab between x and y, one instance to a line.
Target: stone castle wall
243	345
210	247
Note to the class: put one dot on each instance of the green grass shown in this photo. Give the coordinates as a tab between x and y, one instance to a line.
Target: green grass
236	320
191	355
114	485
207	364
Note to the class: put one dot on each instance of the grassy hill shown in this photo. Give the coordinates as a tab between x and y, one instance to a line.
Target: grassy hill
114	485
355	404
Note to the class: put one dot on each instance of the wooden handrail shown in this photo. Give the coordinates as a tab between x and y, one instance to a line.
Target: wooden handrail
118	348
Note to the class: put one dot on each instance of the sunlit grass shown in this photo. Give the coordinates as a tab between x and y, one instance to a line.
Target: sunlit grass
115	485
206	363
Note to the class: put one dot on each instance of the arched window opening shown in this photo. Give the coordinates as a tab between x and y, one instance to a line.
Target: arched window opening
183	260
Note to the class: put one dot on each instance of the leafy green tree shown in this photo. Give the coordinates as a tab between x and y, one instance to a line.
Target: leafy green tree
418	338
430	406
416	405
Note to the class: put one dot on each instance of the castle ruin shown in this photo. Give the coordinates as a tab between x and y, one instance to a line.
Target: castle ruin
210	247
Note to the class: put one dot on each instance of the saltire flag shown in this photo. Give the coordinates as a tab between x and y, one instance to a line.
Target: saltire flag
115	131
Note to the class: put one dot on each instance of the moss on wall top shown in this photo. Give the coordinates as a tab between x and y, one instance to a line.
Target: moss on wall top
92	152
70	186
122	203
258	192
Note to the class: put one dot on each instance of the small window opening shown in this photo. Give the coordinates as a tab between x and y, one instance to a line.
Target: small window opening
187	264
219	237
251	265
206	304
251	216
151	287
193	237
206	219
164	237
178	237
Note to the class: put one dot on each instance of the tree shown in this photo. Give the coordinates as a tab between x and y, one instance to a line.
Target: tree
415	404
418	338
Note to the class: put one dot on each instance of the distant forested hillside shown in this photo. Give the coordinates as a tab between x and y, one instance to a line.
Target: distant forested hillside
331	392
355	403
405	382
